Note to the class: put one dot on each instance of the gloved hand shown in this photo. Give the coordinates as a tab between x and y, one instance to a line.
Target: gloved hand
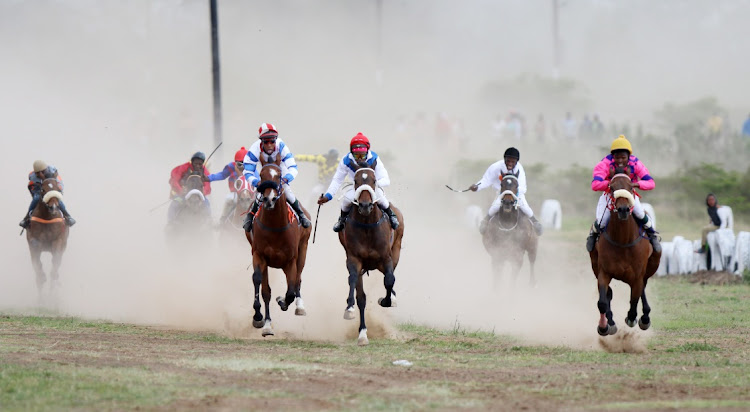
474	187
322	199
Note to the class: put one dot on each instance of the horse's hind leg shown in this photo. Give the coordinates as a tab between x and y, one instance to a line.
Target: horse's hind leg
361	304
55	272
636	290
645	321
388	281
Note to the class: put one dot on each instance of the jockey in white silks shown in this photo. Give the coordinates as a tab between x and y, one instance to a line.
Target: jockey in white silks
359	153
493	178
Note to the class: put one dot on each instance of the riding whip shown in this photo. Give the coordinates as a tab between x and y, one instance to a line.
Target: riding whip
457	191
159	205
212	153
316	223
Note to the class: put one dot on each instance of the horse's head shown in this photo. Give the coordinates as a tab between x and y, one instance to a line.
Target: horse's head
51	194
364	188
270	188
509	192
245	193
621	188
194	182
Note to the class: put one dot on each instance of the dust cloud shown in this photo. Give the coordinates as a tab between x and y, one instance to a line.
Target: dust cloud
116	94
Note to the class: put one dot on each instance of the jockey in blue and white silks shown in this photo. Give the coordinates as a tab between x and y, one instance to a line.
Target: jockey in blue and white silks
359	153
270	147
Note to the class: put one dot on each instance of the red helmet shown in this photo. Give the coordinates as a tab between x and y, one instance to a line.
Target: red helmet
267	130
240	155
359	139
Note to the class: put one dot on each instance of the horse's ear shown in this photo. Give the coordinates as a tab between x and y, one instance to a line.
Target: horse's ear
278	160
262	161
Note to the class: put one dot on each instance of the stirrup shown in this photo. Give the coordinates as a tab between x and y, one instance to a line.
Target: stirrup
304	221
70	221
394	222
248	224
25	223
591	241
339	225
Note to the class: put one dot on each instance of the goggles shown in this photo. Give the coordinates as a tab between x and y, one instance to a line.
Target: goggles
240	164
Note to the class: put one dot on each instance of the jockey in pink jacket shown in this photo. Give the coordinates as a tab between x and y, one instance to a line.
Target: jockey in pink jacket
621	156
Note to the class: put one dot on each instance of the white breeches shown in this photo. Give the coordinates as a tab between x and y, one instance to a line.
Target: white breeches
522	204
346	201
290	197
602	212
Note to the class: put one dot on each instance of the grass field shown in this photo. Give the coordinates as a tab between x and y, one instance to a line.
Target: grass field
697	358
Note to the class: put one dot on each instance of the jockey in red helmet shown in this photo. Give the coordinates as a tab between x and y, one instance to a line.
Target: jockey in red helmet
621	157
359	152
270	147
509	164
231	171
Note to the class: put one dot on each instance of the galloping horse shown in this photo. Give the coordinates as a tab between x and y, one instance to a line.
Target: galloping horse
278	241
370	244
194	215
47	233
243	200
623	256
509	232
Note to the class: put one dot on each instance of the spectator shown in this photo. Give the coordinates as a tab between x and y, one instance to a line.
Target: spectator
570	128
746	127
719	220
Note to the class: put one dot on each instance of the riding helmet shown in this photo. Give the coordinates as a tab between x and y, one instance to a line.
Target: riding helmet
39	165
360	139
240	154
267	131
198	155
512	152
621	143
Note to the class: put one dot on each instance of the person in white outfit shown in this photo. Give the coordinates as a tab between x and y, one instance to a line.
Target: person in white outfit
492	178
359	153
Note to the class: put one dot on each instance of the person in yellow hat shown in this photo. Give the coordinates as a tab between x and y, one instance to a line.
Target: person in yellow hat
621	156
36	177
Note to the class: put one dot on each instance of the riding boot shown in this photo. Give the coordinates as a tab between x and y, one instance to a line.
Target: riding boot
392	217
248	223
653	235
593	236
538	228
483	224
303	220
68	219
339	225
25	222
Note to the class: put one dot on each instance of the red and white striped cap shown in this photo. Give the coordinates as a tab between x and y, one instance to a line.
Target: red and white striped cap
267	130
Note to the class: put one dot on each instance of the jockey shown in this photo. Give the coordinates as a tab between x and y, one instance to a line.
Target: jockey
493	177
327	165
621	156
270	146
43	171
179	177
233	171
359	152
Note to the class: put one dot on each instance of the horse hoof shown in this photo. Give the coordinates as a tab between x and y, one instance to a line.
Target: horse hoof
282	303
386	304
267	332
300	312
643	325
257	324
362	339
349	314
630	323
602	331
612	329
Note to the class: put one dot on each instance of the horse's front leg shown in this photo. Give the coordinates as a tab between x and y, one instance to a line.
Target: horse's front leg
354	266
55	272
266	293
36	262
258	268
636	290
388	281
290	270
606	324
645	321
361	304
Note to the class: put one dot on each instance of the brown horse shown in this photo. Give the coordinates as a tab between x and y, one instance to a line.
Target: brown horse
244	195
194	215
623	256
370	244
510	233
47	233
278	241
